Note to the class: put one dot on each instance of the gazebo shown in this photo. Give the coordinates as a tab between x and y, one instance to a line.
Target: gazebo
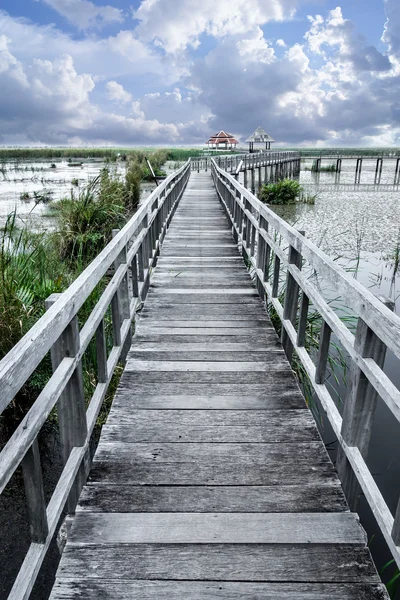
222	141
260	136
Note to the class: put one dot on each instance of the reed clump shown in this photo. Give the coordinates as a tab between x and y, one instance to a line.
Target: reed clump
284	191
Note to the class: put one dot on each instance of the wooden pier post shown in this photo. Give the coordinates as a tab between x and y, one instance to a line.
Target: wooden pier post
358	170
397	172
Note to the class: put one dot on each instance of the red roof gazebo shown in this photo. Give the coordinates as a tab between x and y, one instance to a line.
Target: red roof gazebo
222	141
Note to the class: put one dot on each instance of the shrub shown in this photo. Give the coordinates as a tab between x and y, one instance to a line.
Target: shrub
284	191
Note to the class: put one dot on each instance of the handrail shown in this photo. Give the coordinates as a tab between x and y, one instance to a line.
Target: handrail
131	254
273	247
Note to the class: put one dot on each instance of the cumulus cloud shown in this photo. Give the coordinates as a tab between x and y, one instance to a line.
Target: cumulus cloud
9	64
336	33
177	24
117	93
83	14
329	88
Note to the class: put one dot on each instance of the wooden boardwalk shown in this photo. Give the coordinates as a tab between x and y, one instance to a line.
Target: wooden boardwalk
210	479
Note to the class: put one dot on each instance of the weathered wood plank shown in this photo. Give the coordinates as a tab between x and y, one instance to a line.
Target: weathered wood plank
179	354
212	464
217	528
155	366
208	590
318	497
221	562
249	324
209	426
204	377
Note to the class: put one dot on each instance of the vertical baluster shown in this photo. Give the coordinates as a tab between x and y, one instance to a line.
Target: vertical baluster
323	353
275	280
34	492
101	352
122	304
71	404
360	407
303	317
291	300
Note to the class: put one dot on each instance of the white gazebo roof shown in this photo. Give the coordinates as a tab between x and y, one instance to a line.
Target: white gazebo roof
260	136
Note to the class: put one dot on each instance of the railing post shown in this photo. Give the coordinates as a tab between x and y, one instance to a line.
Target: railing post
291	299
360	406
34	491
71	403
123	299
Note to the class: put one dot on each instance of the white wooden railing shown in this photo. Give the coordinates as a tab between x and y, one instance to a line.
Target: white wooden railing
274	248
131	255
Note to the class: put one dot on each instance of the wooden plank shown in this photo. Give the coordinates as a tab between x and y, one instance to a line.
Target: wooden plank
209	426
204	377
221	562
217	528
208	590
199	323
202	297
205	331
253	341
168	366
319	497
241	348
212	464
214	355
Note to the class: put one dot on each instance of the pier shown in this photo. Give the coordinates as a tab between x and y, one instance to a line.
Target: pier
210	479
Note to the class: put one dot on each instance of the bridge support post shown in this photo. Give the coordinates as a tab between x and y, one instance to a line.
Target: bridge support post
378	170
71	407
245	177
397	172
358	170
360	407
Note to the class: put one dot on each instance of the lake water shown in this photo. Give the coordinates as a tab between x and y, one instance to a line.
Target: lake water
40	179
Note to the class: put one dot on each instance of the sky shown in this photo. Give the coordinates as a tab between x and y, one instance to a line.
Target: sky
173	72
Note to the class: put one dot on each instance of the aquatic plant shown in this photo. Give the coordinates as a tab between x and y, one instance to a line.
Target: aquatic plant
307	198
86	220
284	191
322	168
25	196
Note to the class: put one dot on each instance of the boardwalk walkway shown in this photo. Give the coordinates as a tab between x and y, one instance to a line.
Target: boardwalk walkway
210	479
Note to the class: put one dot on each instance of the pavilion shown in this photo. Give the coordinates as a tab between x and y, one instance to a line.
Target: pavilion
222	141
260	136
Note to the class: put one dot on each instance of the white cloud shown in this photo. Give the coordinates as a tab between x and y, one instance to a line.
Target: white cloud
391	33
9	64
117	93
83	14
177	24
256	48
281	43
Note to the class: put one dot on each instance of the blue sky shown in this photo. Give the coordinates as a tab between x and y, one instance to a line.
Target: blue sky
312	72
